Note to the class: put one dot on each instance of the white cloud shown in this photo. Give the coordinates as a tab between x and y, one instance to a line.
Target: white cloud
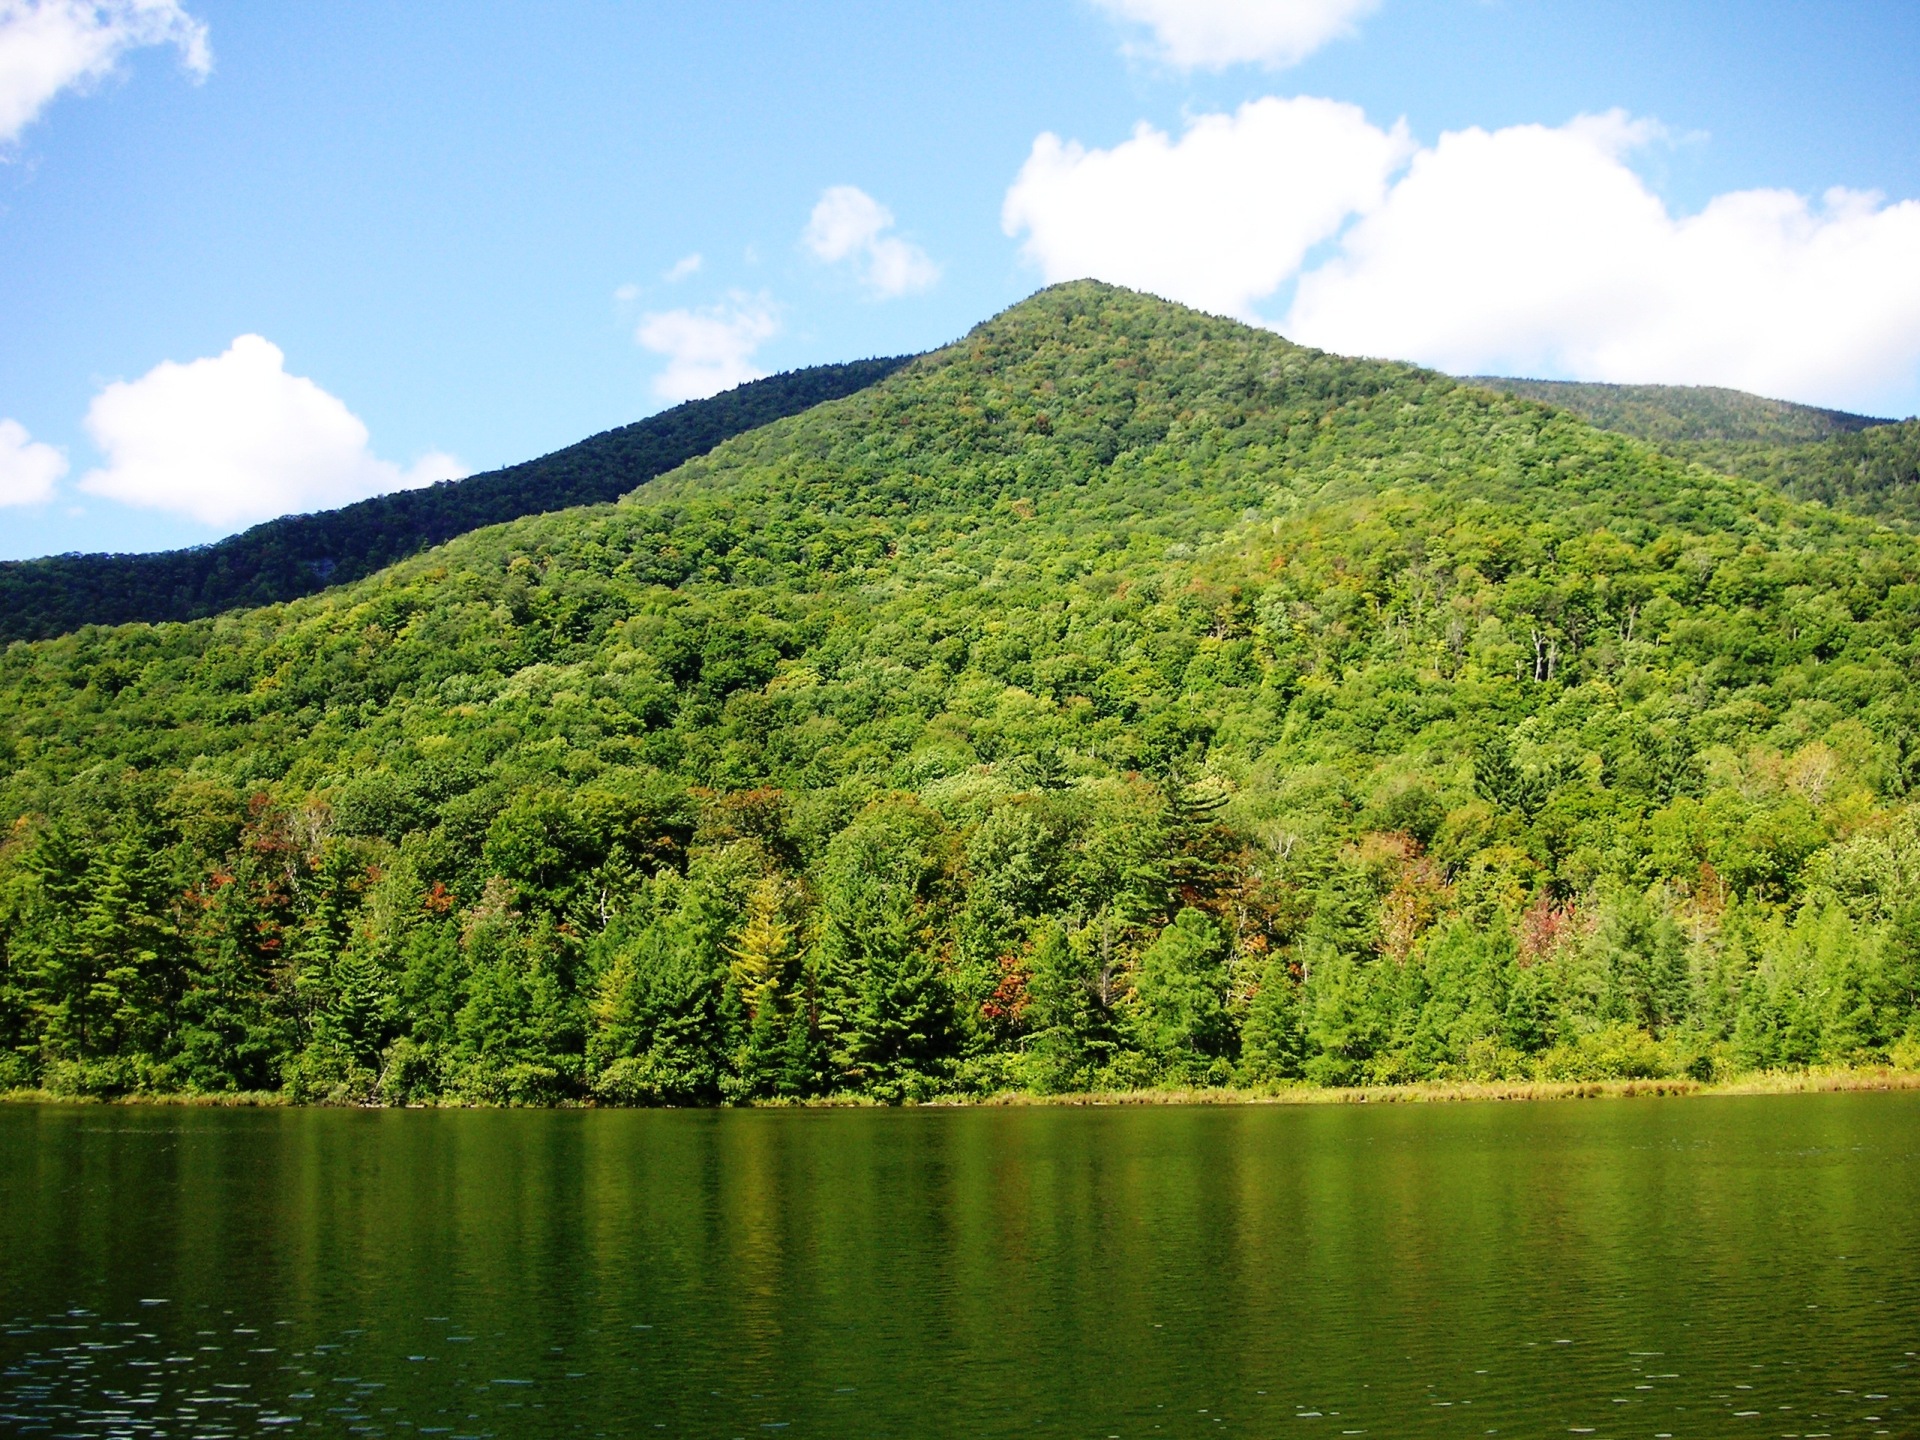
28	469
709	350
1534	250
234	439
1219	218
47	46
684	267
1213	34
1539	251
850	225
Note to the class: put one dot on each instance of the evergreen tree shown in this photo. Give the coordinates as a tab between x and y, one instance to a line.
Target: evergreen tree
1073	1025
765	947
888	1004
234	1029
1527	1021
1273	1042
1179	1005
659	1036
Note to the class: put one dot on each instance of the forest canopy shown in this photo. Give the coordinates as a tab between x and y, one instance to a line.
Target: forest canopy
303	554
1117	697
1850	462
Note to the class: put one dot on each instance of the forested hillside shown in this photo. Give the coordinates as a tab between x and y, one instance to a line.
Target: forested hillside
1873	472
1850	462
301	554
1687	413
1120	696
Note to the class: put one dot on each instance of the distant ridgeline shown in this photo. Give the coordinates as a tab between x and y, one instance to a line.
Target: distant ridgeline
300	554
1119	696
1668	413
1851	462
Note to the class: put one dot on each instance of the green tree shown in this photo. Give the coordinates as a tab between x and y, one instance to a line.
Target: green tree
1074	990
661	1032
883	951
1273	1041
1179	1005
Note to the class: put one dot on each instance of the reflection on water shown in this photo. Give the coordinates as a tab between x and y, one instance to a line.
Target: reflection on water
1639	1268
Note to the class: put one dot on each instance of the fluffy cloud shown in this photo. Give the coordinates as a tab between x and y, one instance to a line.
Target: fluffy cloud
709	350
47	46
1539	251
1533	250
685	266
28	469
234	439
850	225
1213	34
1220	217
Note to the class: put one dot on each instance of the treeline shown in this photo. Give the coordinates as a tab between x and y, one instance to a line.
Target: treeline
301	554
1118	697
633	944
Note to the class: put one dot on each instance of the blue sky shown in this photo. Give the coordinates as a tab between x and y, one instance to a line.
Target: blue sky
457	221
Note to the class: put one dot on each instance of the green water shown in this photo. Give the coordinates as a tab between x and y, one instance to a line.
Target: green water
1707	1267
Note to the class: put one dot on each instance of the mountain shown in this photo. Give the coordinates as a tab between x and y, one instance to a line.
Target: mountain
1687	413
1872	472
1119	696
1850	462
300	554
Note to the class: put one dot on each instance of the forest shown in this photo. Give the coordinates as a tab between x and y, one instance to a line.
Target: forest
302	554
1850	462
1120	697
1689	414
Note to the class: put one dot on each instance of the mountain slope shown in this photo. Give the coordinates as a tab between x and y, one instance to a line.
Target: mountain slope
1872	472
300	554
1851	462
1668	413
1117	696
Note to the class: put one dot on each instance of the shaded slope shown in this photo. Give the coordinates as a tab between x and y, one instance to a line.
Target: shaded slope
1117	696
300	554
1850	462
1872	472
1667	413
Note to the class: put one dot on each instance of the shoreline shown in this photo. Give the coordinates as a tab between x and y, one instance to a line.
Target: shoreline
1438	1092
1446	1092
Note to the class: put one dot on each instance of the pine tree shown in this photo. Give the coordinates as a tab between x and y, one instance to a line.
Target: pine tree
108	971
1180	993
1073	991
1199	859
903	1023
332	894
129	944
802	1071
1273	1040
361	994
761	954
50	961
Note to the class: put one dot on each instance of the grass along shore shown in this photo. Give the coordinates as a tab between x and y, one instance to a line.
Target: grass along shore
1801	1082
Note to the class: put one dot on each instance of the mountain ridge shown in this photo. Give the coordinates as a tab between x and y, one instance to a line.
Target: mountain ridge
1855	463
1802	450
1670	413
297	555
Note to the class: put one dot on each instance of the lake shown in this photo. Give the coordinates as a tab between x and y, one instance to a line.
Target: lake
1704	1267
